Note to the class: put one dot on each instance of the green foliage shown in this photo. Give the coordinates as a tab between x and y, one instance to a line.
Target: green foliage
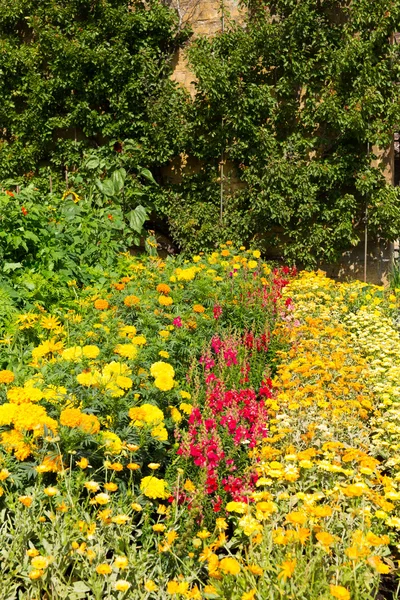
294	100
76	74
47	241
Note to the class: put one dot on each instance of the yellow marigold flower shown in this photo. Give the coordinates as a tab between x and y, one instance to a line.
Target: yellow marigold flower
160	433
40	562
83	463
287	569
14	441
90	351
198	308
165	300
139	340
164	334
71	417
101	304
128	331
127	350
164	382
7	412
131	300
256	253
74	353
112	442
51	491
120	562
147	413
90	423
124	382
103	569
186	408
175	414
150	586
36	574
86	379
121	585
185	395
6	376
163	354
340	592
136	507
32	552
152	487
186	274
158	527
163	288
162	368
24	395
252	264
229	566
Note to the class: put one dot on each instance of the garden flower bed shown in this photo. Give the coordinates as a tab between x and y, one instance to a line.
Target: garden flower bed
208	429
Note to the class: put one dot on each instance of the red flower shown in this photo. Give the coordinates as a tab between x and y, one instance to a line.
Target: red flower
24	211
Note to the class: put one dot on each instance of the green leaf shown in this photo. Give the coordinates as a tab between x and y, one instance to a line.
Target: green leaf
137	217
11	267
148	175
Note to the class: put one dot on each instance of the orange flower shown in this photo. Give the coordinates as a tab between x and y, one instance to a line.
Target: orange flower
131	300
6	376
101	304
163	288
198	308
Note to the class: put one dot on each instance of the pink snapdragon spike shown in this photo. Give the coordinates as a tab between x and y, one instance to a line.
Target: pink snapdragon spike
217	310
233	412
177	322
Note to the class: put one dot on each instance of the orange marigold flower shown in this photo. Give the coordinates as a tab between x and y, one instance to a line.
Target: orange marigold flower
131	300
163	288
198	308
101	304
6	376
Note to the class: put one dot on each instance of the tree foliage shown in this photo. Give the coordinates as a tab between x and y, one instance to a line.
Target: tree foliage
76	74
298	99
